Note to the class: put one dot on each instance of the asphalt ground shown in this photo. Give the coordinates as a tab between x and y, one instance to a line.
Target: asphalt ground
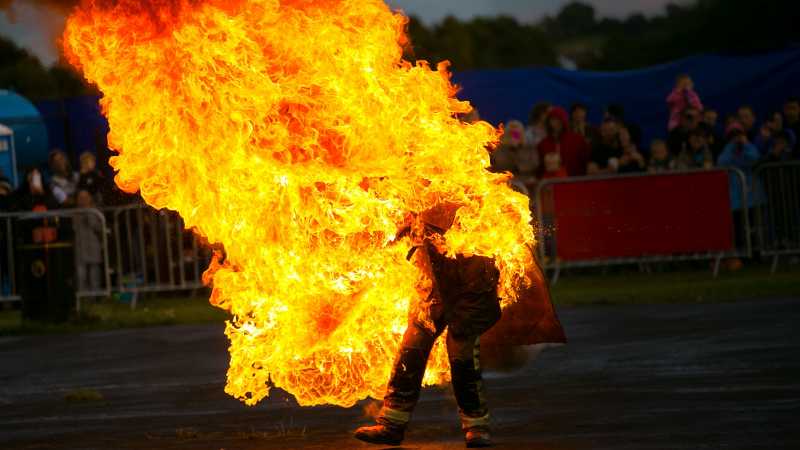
710	376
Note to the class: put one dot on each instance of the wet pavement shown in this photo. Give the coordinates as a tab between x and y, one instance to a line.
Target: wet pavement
723	376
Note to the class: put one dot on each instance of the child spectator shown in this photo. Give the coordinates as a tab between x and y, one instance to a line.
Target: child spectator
88	235
572	148
683	96
678	138
515	155
746	117
63	181
697	155
606	152
537	129
660	158
553	167
631	160
579	125
90	179
710	118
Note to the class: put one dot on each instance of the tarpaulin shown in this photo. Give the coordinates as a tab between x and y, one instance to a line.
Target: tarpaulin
724	83
628	217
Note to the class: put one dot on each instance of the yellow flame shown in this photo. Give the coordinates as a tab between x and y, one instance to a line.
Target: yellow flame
293	133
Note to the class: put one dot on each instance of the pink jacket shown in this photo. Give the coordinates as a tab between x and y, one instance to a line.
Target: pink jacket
679	100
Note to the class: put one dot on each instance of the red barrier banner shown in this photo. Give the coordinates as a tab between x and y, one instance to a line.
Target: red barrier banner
641	216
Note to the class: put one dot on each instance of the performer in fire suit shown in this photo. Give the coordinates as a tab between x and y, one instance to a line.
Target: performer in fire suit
462	298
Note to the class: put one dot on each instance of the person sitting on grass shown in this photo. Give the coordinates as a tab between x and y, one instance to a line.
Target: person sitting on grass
697	155
660	158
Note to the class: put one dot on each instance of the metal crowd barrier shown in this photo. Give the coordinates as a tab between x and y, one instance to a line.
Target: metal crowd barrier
547	244
8	263
143	251
152	252
778	215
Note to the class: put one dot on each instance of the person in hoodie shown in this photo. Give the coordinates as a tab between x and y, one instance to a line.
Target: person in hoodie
571	147
683	96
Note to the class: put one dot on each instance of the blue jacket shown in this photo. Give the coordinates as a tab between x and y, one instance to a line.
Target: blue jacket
742	157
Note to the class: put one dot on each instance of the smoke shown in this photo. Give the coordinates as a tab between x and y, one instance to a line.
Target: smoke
62	6
36	25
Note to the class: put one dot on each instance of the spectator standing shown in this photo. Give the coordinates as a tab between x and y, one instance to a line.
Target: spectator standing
683	96
739	152
572	149
580	125
697	155
711	118
791	115
678	139
631	160
616	113
32	195
660	158
714	138
90	179
772	127
780	149
606	152
63	181
537	128
514	155
6	192
746	117
88	238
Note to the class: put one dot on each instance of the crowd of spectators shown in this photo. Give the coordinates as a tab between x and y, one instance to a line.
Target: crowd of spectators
61	187
559	144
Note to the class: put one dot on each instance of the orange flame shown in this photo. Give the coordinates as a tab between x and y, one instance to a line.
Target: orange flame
293	133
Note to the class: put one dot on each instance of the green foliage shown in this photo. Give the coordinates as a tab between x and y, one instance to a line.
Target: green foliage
23	73
707	26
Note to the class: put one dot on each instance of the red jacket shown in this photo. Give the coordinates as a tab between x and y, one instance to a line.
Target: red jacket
573	147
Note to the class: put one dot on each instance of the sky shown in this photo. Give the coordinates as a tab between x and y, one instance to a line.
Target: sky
526	10
37	28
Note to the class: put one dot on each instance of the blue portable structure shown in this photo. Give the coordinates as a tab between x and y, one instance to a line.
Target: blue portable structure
29	130
8	159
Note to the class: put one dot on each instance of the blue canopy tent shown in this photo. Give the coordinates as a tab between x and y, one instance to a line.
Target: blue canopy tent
29	131
724	83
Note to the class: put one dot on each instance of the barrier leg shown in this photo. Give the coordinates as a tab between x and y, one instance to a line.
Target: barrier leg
556	274
774	264
717	262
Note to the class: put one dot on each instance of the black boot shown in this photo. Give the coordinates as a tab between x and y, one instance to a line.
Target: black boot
384	434
477	437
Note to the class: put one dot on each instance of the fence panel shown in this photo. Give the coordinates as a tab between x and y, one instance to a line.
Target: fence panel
778	215
623	219
84	229
152	252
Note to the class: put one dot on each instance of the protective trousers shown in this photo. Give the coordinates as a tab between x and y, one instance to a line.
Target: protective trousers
409	368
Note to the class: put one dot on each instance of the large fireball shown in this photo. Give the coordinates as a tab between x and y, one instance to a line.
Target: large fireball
292	134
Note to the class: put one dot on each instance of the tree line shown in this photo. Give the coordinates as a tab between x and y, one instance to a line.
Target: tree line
575	33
